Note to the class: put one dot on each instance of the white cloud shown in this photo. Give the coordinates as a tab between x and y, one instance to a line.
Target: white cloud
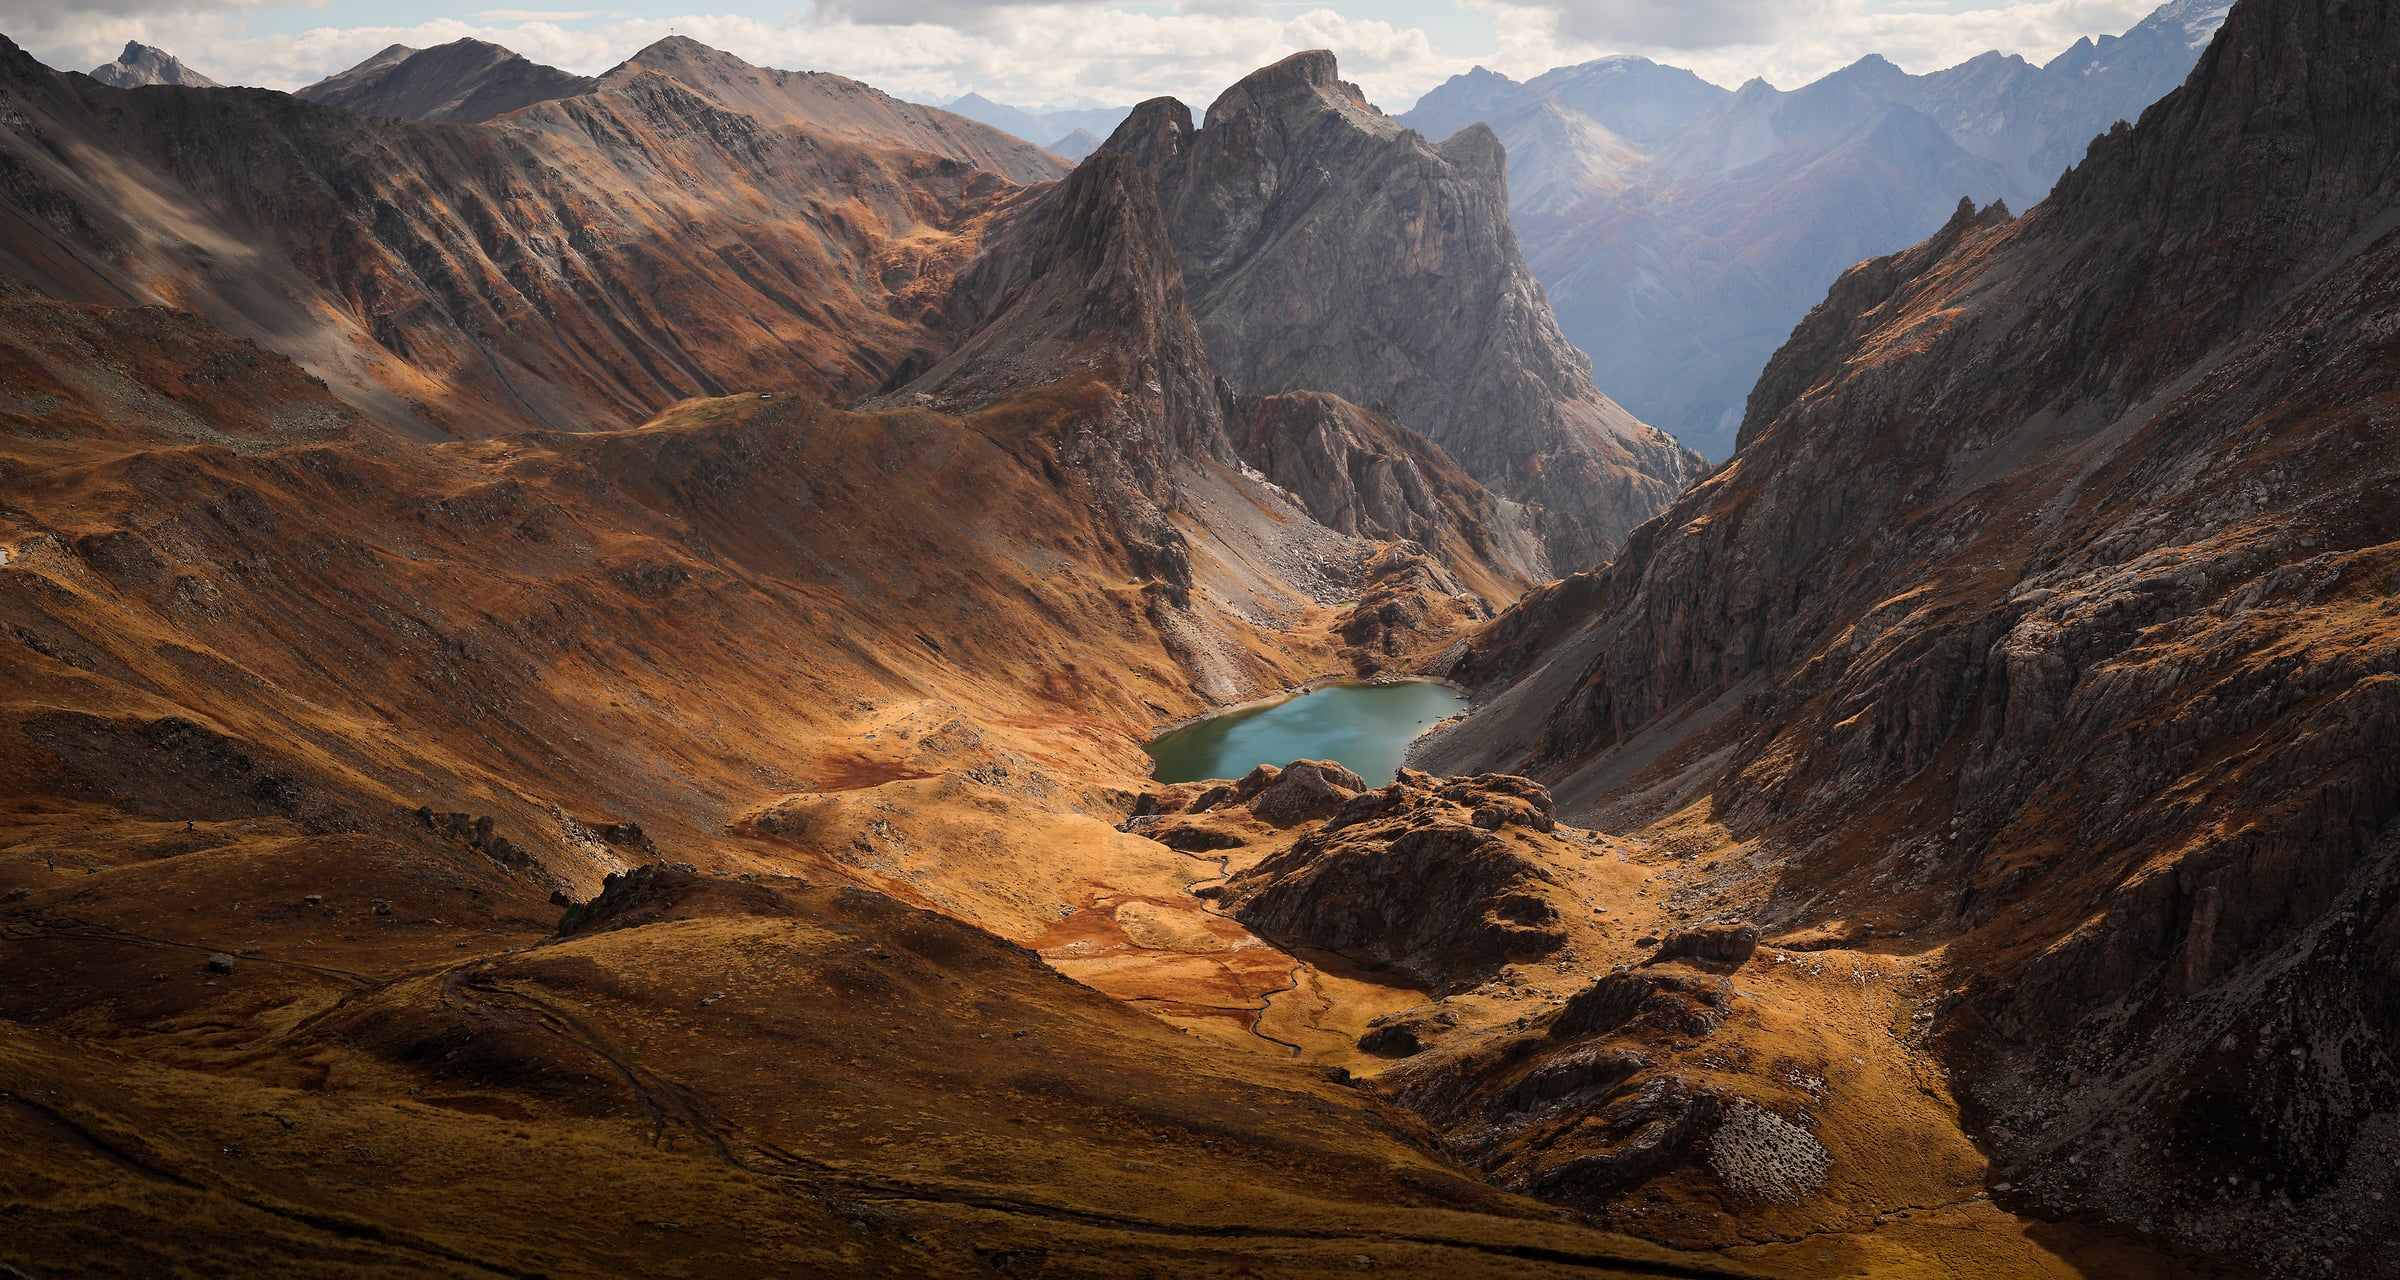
1682	24
1044	53
540	15
1035	54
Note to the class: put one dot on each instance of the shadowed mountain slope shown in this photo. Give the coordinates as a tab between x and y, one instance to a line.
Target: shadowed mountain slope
584	262
2047	614
464	82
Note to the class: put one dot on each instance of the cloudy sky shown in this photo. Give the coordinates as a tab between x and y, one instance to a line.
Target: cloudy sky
1044	53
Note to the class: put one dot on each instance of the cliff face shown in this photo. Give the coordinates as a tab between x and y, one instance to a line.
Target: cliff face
1086	285
463	82
1363	474
1327	248
2048	607
1089	339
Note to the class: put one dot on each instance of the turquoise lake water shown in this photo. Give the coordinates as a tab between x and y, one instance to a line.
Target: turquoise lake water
1365	727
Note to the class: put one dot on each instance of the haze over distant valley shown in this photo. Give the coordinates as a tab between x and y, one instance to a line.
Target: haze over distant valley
1683	229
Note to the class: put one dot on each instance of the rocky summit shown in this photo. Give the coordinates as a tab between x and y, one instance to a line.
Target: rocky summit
588	663
142	64
468	81
1418	305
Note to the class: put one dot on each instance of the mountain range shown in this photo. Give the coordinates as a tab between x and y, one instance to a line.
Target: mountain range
421	532
575	682
1073	133
1682	229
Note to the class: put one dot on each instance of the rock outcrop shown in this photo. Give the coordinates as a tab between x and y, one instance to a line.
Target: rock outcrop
1419	875
462	82
1579	1111
1409	602
659	891
1327	248
142	64
1729	945
2048	604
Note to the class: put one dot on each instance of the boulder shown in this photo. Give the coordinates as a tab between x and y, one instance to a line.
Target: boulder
1443	902
1730	945
1305	791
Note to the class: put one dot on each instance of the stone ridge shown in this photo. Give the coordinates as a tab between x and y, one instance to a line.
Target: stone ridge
543	269
837	107
466	81
2048	608
1299	210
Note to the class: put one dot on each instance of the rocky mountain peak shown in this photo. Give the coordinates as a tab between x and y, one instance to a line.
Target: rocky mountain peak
466	81
1872	67
835	106
1477	152
680	54
1298	210
1083	287
142	64
1296	89
1154	134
